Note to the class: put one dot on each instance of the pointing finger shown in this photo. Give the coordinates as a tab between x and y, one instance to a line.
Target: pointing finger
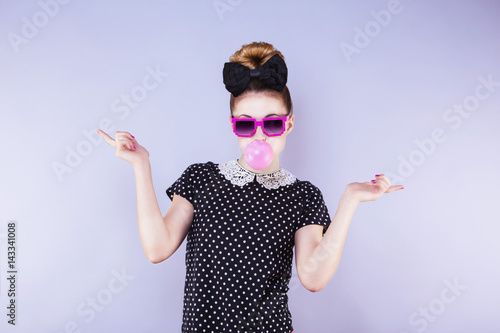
107	138
394	188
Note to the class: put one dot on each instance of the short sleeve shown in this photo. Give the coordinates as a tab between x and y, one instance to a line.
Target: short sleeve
183	186
315	210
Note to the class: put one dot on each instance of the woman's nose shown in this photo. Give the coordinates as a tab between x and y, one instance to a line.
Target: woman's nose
259	133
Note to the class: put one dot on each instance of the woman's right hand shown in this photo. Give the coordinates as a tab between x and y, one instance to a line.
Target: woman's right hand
126	147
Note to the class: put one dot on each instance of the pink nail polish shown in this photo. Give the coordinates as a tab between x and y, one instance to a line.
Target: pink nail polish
402	187
377	175
134	147
132	136
373	181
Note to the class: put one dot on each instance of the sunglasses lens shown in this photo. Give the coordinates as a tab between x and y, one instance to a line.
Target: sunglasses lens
244	127
273	127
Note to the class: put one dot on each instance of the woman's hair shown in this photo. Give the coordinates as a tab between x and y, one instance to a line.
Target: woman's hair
253	56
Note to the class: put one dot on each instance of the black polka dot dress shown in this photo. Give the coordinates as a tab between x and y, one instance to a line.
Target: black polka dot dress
239	249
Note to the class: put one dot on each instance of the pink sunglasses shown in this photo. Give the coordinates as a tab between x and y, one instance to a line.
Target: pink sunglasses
246	127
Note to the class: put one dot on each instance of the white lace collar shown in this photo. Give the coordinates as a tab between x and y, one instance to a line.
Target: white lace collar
238	175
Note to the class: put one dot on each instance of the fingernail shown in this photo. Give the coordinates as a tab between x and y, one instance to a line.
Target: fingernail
373	181
377	175
132	136
402	187
134	147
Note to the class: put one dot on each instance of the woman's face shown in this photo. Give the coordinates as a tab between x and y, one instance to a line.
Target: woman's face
258	106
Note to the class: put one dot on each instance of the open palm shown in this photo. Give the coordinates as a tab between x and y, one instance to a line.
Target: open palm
372	190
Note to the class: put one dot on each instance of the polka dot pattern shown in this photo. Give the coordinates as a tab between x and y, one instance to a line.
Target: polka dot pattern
239	249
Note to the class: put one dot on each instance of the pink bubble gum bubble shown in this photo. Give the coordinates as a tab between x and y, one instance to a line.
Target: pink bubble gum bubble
258	154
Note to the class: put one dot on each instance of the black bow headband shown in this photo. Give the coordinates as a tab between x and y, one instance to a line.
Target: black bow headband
273	73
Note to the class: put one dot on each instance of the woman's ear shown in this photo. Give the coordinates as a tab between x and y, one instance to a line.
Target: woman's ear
290	124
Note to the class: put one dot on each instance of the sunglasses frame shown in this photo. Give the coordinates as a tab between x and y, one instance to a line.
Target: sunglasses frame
261	124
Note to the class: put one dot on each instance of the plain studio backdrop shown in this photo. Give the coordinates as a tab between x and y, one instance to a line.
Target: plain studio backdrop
406	88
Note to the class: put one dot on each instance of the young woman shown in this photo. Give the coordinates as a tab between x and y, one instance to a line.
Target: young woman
242	221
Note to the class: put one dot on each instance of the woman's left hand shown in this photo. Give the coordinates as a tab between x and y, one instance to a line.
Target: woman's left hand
372	190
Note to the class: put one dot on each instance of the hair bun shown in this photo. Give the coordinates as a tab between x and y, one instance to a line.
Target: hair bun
255	54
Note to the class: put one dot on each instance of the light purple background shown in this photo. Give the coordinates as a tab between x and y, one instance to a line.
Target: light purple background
355	117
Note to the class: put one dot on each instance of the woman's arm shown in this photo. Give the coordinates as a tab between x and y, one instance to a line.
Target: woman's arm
317	256
160	236
152	227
